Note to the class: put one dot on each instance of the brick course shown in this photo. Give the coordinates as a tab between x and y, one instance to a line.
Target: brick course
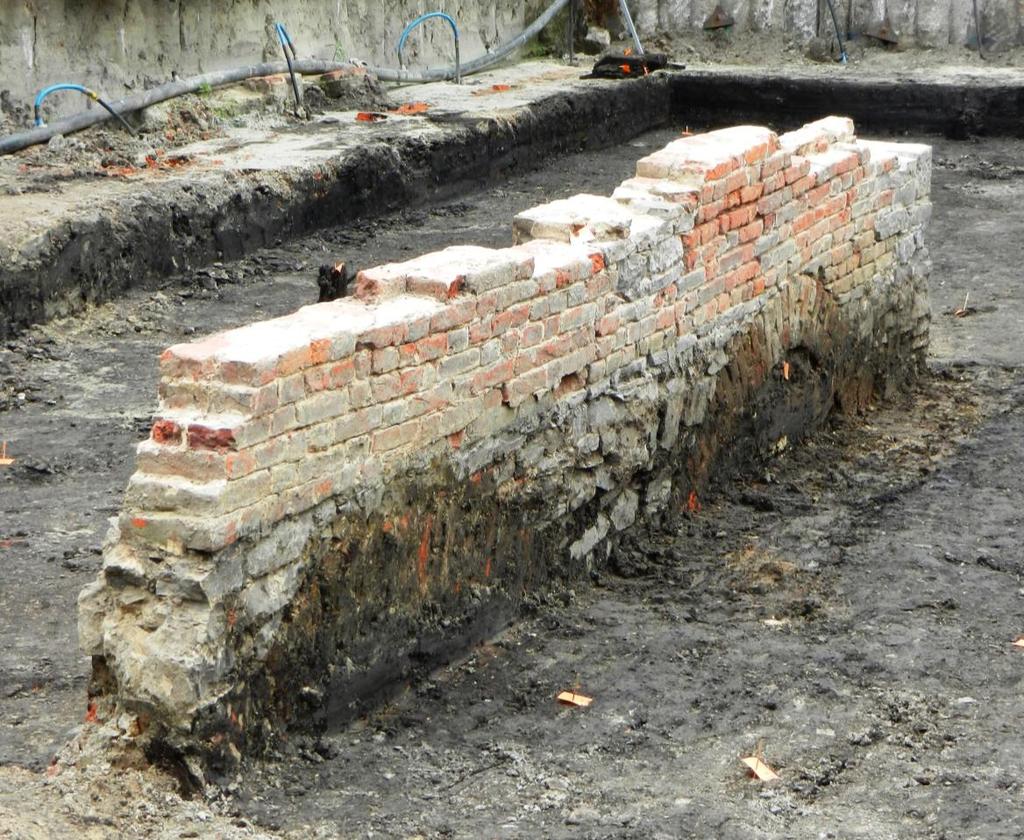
711	213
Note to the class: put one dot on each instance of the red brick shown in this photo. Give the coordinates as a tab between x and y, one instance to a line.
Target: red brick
432	347
755	153
515	317
387	336
803	221
460	311
319	351
775	183
818	194
751	193
803	185
531	335
598	285
742	216
439	289
480	332
793	174
608	324
494	375
204	437
395	436
746	272
166	432
710	211
735	182
752	231
722	169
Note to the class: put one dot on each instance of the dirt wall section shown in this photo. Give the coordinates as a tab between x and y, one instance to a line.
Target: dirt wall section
117	48
334	499
923	23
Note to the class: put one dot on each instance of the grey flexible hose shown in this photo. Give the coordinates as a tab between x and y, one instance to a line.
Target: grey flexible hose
438	74
305	66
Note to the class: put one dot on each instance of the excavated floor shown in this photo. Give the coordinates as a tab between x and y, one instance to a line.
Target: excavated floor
849	606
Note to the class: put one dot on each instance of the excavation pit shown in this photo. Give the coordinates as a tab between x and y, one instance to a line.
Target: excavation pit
335	500
779	594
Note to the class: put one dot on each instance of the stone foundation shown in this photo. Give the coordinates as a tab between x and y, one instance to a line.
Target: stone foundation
337	499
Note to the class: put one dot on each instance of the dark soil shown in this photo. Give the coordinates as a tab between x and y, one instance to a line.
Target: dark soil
848	606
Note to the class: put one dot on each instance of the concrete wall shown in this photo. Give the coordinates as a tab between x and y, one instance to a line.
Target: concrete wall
336	497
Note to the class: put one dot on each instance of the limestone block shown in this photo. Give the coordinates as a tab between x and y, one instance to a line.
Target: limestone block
660	198
170	493
582	218
590	538
817	136
556	264
799	19
706	157
623	513
444	274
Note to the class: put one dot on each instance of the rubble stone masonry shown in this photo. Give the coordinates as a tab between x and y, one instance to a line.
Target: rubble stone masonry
340	496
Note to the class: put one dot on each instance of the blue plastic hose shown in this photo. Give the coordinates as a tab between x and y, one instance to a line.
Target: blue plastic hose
309	66
37	105
62	86
839	35
455	32
284	38
288	48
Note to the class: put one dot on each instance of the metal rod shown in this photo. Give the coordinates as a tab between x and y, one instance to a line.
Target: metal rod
570	32
839	35
977	30
628	20
286	46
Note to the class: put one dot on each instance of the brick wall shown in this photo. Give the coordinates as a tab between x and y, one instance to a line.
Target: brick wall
469	356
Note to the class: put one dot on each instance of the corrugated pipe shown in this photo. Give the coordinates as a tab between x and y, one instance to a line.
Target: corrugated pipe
305	66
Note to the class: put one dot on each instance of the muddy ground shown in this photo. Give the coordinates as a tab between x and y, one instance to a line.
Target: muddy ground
849	606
